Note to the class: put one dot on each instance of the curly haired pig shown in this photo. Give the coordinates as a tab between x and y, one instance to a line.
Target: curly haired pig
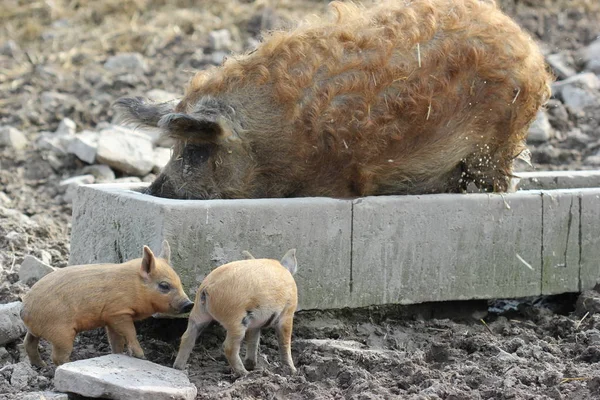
405	97
244	297
83	297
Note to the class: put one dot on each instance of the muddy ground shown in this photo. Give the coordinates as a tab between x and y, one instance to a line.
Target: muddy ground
52	58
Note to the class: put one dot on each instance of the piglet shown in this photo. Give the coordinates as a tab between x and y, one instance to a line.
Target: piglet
83	297
244	297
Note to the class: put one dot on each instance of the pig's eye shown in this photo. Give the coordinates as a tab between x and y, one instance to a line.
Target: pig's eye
164	287
196	155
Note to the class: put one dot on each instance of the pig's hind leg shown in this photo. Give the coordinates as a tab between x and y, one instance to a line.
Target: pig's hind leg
232	345
197	322
62	345
252	342
116	341
31	343
284	339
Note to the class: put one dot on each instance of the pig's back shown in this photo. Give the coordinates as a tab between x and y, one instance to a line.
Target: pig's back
67	293
390	99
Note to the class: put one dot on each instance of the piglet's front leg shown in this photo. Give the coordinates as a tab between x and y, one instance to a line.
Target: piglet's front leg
123	325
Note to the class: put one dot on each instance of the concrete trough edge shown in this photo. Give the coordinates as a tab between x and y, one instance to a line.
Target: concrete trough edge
556	251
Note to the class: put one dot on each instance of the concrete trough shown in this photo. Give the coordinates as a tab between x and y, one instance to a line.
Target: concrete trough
365	251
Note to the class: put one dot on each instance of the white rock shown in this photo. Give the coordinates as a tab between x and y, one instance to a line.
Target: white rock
217	57
20	218
126	151
52	141
33	269
45	396
161	96
66	127
591	55
161	158
21	374
118	376
559	65
578	98
220	39
592	160
16	238
102	173
540	130
85	146
45	256
12	137
586	80
70	185
128	179
52	100
4	199
126	62
11	325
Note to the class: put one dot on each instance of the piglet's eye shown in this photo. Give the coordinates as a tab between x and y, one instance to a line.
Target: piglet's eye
164	287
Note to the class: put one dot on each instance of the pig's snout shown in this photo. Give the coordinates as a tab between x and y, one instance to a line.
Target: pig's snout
186	307
161	187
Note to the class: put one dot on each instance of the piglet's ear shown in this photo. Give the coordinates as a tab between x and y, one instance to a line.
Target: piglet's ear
165	251
148	263
289	261
196	127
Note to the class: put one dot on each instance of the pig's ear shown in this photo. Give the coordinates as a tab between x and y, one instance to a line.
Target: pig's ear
148	263
247	255
165	251
289	261
137	111
197	127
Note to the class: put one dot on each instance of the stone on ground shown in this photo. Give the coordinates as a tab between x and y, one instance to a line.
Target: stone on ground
70	185
66	127
102	173
84	146
126	62
33	269
11	325
540	130
13	138
118	376
125	150
21	373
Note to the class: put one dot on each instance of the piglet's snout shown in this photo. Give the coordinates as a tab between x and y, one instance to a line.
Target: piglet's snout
186	307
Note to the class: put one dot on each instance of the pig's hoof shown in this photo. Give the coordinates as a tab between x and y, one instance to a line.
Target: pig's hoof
250	365
240	373
179	366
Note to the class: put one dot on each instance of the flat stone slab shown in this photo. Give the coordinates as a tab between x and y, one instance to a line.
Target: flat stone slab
120	377
361	252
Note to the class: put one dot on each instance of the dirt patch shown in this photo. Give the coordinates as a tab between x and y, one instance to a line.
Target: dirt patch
52	66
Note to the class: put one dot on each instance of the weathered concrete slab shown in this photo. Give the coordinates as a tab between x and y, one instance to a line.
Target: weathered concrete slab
561	251
411	249
590	238
120	377
547	180
351	253
111	225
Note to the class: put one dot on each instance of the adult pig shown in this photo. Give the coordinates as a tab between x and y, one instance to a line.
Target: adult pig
404	97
